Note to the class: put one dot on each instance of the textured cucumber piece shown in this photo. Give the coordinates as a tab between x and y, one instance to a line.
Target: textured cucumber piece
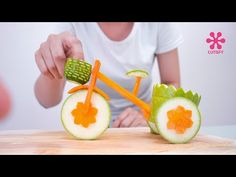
138	73
77	71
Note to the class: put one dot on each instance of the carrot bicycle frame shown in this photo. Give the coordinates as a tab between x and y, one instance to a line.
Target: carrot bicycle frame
96	74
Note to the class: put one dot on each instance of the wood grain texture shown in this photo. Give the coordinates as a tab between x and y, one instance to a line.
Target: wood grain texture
113	141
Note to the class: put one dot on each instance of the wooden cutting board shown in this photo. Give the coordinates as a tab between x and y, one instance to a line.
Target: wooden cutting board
113	141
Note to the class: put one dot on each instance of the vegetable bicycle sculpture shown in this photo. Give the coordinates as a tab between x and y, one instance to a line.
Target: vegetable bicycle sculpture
86	114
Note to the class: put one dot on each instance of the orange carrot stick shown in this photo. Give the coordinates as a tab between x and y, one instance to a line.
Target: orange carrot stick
96	89
77	88
125	93
92	84
137	85
146	114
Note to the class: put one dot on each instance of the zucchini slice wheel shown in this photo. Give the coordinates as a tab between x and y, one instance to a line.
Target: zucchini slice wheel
94	130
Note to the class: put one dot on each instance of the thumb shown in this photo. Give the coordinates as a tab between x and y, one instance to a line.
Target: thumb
72	46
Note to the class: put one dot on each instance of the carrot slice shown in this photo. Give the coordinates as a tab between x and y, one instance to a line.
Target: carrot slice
83	87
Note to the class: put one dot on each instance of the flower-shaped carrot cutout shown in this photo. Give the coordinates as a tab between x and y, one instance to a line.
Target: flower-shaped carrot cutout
179	119
83	117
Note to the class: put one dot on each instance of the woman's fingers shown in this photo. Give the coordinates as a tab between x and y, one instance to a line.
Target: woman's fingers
42	66
58	54
120	118
128	120
52	54
72	46
49	61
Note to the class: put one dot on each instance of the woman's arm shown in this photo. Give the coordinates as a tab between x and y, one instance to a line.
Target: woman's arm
48	91
50	59
169	67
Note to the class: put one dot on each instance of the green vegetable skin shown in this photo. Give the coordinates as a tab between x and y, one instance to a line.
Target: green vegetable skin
160	94
163	94
137	73
77	71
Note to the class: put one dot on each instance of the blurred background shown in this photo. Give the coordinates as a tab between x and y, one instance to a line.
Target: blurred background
213	76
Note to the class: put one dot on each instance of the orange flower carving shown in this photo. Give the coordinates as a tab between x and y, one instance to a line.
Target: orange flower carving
179	119
81	117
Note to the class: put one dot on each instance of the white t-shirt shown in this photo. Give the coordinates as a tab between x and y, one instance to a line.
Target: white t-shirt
137	51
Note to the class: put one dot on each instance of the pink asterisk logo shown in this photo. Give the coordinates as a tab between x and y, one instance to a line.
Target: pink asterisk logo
215	40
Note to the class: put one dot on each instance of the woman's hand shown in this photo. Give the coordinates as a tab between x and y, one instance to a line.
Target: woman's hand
52	54
130	118
50	59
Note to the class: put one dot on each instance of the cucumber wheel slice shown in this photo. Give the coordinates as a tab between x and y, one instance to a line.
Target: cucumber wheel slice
178	120
77	71
178	129
94	130
138	73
